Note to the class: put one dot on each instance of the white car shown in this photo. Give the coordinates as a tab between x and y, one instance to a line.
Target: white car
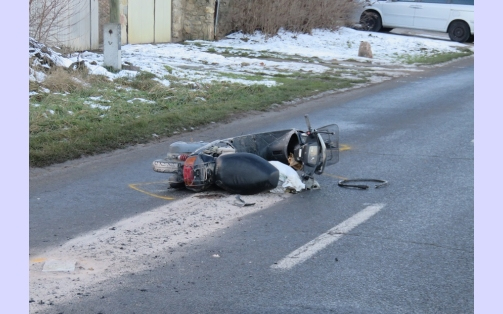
454	17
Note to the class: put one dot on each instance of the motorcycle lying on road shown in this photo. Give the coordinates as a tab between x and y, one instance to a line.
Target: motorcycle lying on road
253	163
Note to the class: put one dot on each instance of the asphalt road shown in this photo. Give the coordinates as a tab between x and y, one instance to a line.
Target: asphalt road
414	254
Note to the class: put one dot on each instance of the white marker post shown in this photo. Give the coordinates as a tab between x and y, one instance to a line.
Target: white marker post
112	46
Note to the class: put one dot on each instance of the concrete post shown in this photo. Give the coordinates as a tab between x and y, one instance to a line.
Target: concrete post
112	46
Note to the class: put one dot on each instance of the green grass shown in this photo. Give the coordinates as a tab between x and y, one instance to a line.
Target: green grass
169	69
436	58
77	119
252	77
64	127
263	54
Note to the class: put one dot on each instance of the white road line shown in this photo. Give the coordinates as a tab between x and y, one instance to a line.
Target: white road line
309	249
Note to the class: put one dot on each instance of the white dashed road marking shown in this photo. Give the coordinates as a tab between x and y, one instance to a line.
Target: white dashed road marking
309	249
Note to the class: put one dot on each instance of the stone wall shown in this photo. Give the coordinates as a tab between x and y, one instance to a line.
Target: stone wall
193	19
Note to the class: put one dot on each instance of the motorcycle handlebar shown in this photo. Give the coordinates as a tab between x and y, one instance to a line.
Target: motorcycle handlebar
311	130
307	122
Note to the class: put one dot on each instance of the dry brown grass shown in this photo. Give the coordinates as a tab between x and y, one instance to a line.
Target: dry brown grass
33	86
293	15
62	80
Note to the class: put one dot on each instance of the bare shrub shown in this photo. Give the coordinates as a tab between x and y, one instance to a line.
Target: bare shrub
51	20
299	16
97	79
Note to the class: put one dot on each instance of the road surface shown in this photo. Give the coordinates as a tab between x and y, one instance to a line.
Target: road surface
138	247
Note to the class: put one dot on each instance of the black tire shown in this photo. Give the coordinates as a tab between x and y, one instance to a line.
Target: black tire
471	39
371	21
386	29
176	182
176	185
459	31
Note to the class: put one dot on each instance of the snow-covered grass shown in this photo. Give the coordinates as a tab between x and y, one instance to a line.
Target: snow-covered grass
256	54
168	88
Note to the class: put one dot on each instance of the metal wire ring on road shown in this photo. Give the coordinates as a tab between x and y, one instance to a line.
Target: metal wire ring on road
349	183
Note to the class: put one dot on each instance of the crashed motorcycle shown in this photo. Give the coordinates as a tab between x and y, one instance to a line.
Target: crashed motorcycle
253	163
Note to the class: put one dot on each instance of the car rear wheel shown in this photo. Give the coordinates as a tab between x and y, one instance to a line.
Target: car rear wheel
371	21
459	31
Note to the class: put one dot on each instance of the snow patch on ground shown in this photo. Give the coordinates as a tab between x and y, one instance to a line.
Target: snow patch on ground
239	56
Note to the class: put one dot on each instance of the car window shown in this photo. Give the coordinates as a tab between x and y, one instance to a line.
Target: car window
469	2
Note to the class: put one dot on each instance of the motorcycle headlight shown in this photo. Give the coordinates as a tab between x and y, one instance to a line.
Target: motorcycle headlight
312	154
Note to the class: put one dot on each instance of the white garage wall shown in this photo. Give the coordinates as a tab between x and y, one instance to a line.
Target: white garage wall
66	23
149	21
